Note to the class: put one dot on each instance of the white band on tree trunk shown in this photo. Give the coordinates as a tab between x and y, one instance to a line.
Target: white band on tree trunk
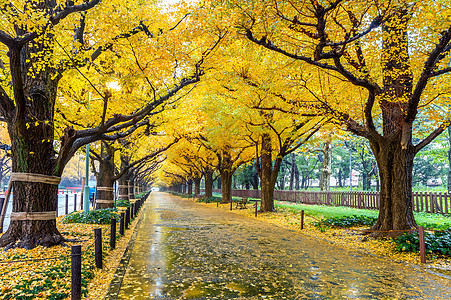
105	189
104	201
31	177
32	216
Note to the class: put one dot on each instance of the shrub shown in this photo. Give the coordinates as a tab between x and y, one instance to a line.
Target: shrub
100	216
437	242
123	203
212	199
348	221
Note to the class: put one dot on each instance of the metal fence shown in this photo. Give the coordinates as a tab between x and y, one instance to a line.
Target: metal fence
431	202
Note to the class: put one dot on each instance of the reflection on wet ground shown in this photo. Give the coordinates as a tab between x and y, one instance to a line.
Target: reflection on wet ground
187	251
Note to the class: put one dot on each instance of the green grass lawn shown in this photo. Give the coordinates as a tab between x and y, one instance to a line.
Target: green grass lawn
432	221
428	220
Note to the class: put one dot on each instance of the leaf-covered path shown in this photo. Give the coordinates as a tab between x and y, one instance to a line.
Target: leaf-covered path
187	251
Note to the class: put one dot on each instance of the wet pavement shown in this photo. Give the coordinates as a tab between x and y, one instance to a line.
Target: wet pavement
185	250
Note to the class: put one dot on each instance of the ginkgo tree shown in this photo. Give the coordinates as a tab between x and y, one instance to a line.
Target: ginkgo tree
258	99
381	68
40	42
142	151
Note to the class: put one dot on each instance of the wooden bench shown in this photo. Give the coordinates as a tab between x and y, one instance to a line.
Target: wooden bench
242	203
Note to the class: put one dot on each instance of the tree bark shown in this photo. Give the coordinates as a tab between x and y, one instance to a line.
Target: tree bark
326	168
293	172
226	170
131	187
219	183
209	183
268	173
190	186
105	177
394	151
123	180
32	152
197	186
296	179
340	178
395	169
255	181
226	187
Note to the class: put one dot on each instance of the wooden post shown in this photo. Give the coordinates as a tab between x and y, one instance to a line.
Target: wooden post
67	204
422	245
132	211
98	247
302	219
121	224
76	272
75	202
113	233
217	202
127	217
231	202
256	208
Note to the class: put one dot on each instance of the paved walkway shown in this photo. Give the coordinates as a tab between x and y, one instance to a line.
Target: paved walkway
188	251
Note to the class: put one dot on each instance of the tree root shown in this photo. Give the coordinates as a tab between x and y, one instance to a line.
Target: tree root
10	241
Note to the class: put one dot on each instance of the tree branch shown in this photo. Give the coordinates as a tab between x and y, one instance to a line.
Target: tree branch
58	16
428	68
432	136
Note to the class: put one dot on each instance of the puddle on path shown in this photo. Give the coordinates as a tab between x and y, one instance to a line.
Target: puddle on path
186	251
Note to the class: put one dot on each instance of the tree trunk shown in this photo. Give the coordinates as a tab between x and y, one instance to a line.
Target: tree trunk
31	131
326	169
105	178
293	171
268	174
226	180
296	178
209	183
340	178
123	182
364	180
254	181
190	187
247	185
197	186
395	171
31	155
219	183
394	151
131	188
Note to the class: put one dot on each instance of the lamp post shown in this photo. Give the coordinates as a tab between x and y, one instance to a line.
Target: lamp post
112	86
86	188
86	191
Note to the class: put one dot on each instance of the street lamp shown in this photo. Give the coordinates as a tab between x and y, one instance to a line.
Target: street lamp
113	85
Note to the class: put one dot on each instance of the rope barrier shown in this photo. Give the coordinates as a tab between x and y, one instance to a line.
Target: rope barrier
39	178
31	216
